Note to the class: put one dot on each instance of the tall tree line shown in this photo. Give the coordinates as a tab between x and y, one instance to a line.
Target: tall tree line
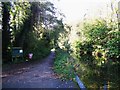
6	30
26	23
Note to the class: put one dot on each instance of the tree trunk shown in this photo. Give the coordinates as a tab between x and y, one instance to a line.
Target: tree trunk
5	31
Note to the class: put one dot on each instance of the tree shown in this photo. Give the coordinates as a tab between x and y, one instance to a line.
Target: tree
20	12
5	30
29	25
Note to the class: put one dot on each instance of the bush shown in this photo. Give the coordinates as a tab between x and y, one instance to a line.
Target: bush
83	51
96	58
99	53
39	47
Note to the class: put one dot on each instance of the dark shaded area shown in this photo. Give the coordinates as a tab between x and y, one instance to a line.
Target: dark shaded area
6	54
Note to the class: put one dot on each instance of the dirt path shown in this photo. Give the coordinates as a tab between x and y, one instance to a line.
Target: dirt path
38	75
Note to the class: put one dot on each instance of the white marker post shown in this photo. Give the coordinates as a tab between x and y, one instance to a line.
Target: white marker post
81	85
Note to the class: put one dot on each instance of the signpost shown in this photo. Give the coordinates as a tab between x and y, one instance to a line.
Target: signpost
17	52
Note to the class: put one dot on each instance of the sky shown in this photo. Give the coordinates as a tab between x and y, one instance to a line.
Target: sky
74	10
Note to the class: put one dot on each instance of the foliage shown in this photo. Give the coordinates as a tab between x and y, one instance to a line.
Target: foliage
39	48
95	31
19	13
28	25
102	36
63	65
99	51
35	27
96	54
60	36
55	34
113	45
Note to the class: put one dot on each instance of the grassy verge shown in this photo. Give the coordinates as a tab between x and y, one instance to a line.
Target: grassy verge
63	65
92	76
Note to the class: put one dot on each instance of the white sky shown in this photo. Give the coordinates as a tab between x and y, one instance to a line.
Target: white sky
74	10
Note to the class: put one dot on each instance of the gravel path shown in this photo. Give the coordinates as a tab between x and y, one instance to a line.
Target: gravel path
38	75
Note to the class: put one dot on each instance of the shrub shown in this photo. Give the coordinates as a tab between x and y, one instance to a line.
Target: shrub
100	52
39	47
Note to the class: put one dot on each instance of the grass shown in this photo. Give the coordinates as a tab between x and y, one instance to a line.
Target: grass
91	76
63	65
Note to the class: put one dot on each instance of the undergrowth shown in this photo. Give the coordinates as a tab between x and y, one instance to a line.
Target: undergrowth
63	65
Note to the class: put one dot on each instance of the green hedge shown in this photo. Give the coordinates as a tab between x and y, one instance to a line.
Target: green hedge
100	52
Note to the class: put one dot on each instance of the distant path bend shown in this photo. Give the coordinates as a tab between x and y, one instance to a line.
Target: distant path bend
38	75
